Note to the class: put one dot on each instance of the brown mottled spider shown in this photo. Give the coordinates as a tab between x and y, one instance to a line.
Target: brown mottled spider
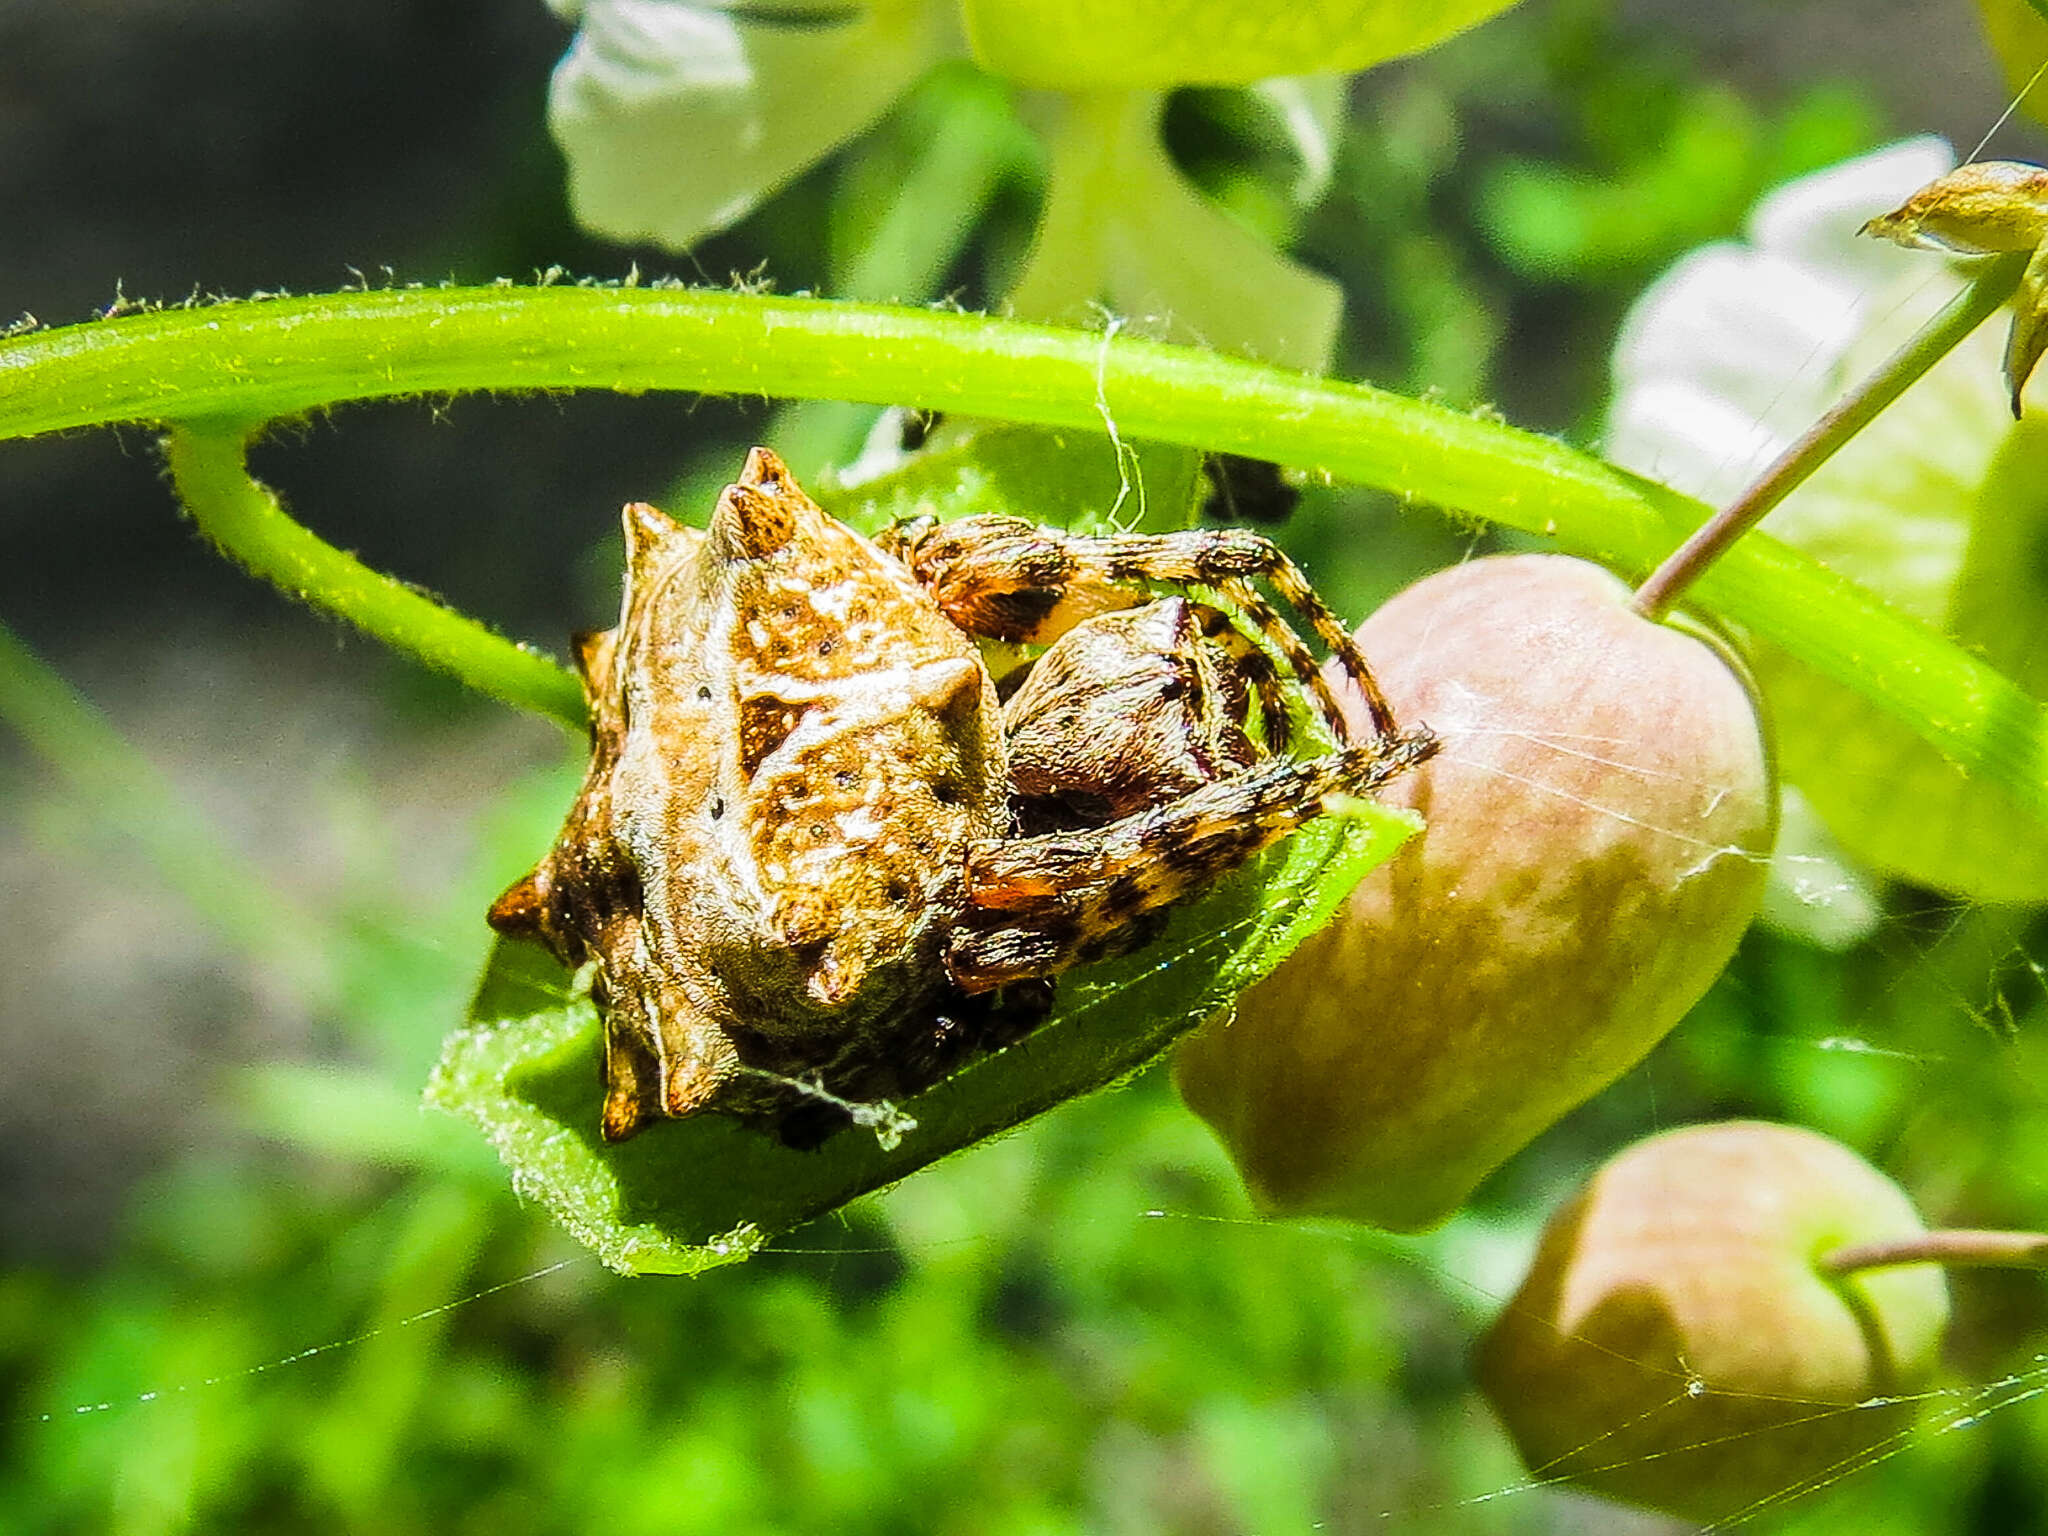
816	860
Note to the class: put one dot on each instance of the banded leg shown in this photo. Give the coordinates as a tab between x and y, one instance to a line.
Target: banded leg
1011	580
1040	905
1250	672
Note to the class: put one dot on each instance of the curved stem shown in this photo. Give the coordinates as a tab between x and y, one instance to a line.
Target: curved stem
1934	341
1958	1249
247	524
282	357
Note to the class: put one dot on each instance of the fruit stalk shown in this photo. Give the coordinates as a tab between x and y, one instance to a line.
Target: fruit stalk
1934	341
1956	1249
1676	1345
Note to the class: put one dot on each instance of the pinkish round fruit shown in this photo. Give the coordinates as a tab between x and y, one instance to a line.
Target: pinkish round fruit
1677	1343
1599	822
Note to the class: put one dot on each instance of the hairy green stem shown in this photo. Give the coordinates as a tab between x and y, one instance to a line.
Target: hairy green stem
246	523
284	357
1861	406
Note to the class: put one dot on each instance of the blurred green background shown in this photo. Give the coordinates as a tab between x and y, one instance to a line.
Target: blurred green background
250	1286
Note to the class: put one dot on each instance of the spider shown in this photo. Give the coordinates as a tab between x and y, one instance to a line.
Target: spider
818	857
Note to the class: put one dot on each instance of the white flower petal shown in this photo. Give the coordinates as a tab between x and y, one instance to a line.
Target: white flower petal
1894	509
1757	332
1815	219
1677	432
1756	339
677	118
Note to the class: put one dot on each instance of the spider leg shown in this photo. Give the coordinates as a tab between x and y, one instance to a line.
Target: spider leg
1040	905
1250	672
1009	579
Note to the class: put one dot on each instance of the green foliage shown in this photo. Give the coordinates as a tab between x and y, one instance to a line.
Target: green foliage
338	1317
1940	505
1122	226
1078	480
1068	45
1663	191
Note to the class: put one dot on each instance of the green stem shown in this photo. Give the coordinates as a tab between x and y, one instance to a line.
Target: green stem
1123	227
1959	1249
248	525
972	142
284	357
1934	341
127	794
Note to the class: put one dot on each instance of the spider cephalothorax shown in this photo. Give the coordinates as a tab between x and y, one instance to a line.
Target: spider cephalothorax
814	857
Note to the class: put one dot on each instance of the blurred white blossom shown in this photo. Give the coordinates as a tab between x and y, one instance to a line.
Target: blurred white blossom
1742	346
678	116
1736	350
1721	365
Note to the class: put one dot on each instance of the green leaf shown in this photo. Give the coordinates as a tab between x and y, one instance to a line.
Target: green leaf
1896	803
1075	480
1078	45
685	1196
1892	799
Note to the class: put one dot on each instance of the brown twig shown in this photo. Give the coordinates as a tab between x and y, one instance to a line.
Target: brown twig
1959	1249
1934	341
